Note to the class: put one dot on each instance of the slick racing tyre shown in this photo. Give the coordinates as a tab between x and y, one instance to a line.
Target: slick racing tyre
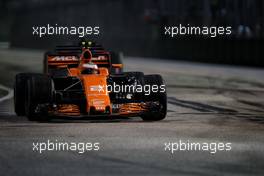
19	93
38	91
116	59
158	96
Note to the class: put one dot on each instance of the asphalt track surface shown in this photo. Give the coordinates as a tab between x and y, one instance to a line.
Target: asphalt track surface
206	103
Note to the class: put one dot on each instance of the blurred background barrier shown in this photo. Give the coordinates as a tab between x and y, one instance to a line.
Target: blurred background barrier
137	27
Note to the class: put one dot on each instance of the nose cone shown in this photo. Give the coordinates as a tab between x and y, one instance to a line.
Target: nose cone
97	97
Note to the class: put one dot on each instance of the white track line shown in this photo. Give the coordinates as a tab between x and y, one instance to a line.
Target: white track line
9	95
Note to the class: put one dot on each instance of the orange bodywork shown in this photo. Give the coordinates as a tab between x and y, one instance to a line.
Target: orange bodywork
94	85
96	93
95	88
132	108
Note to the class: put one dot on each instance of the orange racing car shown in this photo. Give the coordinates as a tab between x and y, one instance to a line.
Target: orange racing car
87	80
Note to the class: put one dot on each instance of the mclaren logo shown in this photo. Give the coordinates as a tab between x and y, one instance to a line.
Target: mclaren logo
63	58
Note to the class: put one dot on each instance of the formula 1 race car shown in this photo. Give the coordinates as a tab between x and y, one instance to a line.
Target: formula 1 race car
86	80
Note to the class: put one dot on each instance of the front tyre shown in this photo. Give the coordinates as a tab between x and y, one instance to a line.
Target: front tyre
38	92
159	98
19	93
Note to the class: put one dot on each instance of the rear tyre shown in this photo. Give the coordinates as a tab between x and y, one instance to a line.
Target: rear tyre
38	91
116	59
159	96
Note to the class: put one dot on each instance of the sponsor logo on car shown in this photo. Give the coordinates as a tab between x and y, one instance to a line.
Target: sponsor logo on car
63	58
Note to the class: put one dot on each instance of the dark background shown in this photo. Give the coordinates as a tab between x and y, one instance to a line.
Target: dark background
136	27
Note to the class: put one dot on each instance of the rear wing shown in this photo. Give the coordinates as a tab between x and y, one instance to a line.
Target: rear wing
69	56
